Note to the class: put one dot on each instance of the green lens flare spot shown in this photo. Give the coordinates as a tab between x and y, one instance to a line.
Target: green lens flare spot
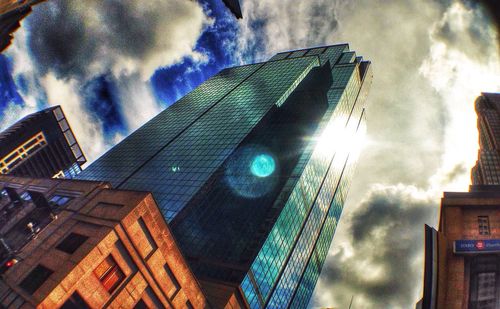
263	165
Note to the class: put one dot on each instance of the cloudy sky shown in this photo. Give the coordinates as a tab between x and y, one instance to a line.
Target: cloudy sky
113	64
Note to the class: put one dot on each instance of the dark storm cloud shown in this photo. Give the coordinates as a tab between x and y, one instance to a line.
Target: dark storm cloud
67	46
493	8
322	25
490	7
77	38
477	35
59	40
62	41
135	36
387	236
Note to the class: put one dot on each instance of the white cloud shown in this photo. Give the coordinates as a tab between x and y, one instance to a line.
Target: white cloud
439	56
52	91
430	60
125	36
13	113
64	44
23	66
87	132
174	36
137	101
271	26
459	78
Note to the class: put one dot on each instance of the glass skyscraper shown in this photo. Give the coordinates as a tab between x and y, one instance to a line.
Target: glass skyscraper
251	170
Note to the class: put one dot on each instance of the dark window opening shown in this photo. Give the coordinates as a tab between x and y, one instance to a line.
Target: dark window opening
13	195
484	282
484	225
71	243
35	279
110	274
148	235
75	301
39	199
141	305
177	287
25	196
59	200
125	255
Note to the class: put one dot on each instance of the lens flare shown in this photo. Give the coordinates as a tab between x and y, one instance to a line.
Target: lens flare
249	170
263	165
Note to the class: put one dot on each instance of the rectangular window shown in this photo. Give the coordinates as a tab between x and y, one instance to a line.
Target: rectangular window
35	279
484	225
58	113
71	243
149	237
64	125
110	274
75	301
125	255
69	137
149	300
486	284
38	199
26	196
12	194
176	286
77	152
59	200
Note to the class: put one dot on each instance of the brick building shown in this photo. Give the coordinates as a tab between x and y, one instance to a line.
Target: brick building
462	264
82	244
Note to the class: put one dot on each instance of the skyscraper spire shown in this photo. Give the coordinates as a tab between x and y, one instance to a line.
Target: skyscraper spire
487	169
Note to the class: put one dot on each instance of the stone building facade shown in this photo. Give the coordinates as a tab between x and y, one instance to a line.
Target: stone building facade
82	244
462	258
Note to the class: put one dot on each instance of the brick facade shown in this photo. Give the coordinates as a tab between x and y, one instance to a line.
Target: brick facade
121	232
461	213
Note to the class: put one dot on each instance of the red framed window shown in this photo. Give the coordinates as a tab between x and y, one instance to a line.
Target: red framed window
110	274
